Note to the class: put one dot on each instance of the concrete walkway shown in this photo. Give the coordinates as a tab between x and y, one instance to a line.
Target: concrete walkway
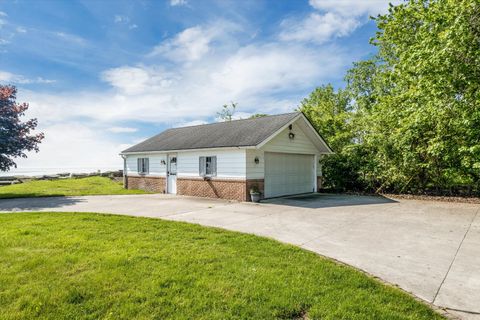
431	249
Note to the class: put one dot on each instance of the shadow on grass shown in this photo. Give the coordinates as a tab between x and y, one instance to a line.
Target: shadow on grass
327	200
35	203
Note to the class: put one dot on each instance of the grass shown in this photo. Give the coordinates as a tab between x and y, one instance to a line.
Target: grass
65	187
91	266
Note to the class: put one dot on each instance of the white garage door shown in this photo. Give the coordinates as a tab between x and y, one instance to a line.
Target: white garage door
287	174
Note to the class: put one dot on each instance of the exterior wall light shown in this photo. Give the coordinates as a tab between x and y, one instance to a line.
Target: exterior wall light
162	162
291	135
257	161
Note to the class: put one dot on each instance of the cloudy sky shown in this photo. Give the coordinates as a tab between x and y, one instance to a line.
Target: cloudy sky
102	75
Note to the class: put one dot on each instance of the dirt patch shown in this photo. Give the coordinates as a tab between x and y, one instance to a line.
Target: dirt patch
433	198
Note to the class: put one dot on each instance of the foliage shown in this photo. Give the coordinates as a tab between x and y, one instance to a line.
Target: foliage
258	115
15	136
415	107
65	187
330	112
93	266
227	112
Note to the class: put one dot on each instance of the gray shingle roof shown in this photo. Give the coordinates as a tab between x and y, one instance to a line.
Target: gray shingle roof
237	133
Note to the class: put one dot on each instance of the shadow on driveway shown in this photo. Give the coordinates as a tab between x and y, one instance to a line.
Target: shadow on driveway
40	203
327	200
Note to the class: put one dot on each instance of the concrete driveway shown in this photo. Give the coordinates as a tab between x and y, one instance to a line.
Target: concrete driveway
431	249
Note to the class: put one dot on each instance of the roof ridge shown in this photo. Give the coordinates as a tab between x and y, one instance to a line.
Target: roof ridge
236	120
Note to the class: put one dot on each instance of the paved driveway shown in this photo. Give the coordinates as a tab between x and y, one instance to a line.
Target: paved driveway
431	249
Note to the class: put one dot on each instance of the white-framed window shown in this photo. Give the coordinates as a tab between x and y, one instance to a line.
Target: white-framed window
208	166
142	165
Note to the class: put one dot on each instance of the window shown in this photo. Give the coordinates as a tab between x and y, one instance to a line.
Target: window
142	165
208	166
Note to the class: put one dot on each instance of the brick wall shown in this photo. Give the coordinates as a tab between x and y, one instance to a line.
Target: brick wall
214	188
151	184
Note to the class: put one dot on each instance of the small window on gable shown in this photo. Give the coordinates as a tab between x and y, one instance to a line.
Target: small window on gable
142	165
208	166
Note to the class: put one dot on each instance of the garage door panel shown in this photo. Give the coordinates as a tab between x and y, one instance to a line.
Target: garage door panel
288	174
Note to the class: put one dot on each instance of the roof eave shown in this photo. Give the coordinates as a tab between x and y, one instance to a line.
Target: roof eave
185	150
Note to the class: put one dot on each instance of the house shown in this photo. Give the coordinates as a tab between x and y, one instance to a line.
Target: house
277	154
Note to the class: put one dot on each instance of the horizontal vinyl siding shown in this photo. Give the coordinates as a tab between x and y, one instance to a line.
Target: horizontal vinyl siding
155	166
255	171
230	163
282	143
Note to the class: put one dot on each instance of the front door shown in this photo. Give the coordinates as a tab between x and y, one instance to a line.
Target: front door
172	174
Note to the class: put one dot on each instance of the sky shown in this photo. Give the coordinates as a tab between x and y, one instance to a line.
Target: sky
103	75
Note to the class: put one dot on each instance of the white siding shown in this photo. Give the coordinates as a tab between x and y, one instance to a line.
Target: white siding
230	163
255	171
282	143
156	168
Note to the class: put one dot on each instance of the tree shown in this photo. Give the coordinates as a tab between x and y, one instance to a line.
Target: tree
424	121
15	137
412	120
227	112
330	112
258	115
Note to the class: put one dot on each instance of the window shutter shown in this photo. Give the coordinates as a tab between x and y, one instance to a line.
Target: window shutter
201	166
139	165
147	165
214	166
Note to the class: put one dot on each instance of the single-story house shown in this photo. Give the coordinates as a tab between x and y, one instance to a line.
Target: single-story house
279	155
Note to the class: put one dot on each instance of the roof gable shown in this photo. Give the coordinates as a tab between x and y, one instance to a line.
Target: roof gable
306	138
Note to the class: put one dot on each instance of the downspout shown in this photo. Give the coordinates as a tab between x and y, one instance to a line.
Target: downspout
125	180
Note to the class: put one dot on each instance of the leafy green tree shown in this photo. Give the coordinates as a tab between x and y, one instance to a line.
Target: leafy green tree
409	118
258	115
423	111
330	112
15	134
227	112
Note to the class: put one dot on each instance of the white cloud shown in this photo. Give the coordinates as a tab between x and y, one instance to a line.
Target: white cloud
73	145
122	129
318	27
271	68
174	3
3	14
353	7
121	19
190	123
191	44
333	19
74	39
19	79
194	43
135	80
21	30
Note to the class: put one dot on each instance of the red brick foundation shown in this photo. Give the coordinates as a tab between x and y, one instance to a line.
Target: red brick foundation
229	189
214	188
151	184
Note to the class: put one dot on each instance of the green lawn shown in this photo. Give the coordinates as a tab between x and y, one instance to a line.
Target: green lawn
91	266
65	187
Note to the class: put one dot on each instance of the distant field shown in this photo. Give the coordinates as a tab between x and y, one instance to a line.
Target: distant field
65	187
94	266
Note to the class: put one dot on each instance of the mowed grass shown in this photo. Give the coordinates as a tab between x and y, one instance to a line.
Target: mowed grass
65	187
93	266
